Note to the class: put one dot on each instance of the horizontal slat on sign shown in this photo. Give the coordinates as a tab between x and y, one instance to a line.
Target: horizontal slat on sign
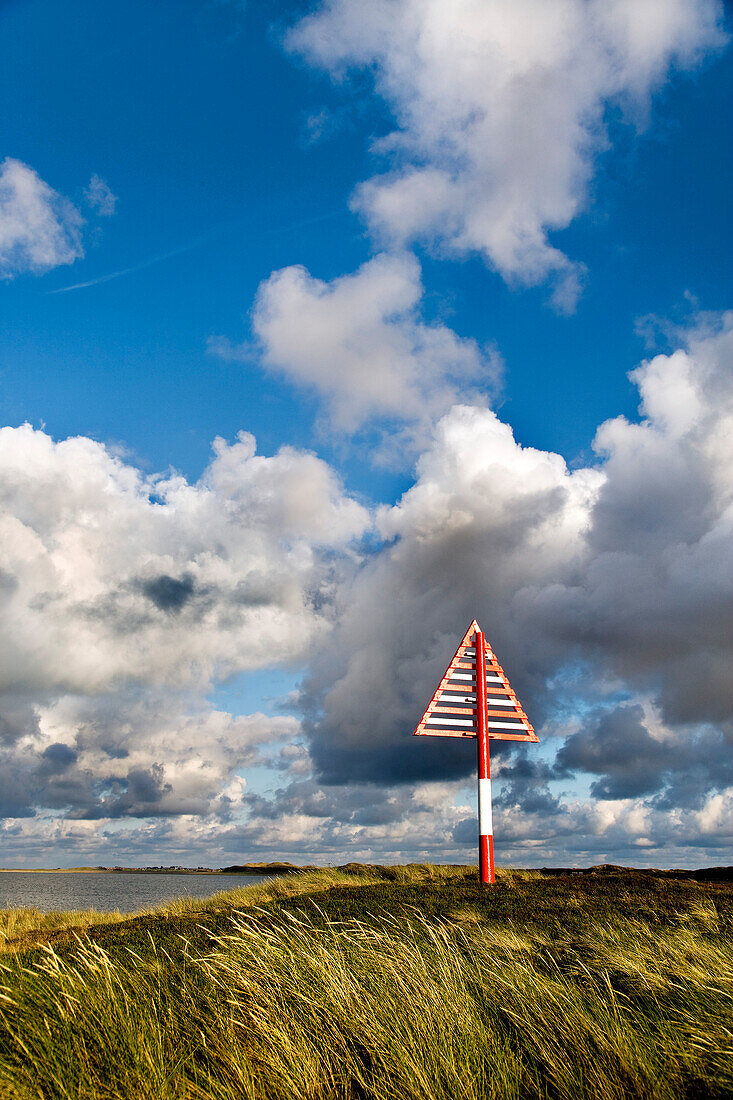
440	724
465	731
450	721
453	710
507	725
465	716
494	735
450	731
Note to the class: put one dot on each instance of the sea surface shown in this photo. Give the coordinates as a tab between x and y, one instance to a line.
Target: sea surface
47	890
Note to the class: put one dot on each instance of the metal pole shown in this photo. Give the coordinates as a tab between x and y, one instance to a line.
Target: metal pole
485	827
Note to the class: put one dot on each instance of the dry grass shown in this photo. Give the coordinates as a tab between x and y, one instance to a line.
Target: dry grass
263	893
16	924
20	928
285	1005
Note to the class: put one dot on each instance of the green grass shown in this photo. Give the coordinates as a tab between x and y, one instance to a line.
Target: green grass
18	925
27	930
383	983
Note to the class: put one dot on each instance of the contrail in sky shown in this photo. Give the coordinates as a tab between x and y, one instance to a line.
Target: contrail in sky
152	260
127	270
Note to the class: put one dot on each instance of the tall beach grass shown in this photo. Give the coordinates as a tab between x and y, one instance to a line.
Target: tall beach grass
295	1006
17	924
20	927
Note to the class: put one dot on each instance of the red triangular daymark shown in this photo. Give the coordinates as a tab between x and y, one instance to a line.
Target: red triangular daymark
452	710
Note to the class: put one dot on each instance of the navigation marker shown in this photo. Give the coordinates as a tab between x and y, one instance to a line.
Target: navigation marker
475	699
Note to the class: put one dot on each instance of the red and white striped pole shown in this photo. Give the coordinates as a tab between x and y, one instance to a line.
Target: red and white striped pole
485	826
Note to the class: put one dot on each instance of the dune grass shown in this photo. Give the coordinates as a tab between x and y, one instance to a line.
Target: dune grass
21	928
285	999
16	924
263	893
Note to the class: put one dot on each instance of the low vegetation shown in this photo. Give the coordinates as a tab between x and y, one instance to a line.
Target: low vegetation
17	925
382	983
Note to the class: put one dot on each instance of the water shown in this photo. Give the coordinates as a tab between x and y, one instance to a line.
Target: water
46	890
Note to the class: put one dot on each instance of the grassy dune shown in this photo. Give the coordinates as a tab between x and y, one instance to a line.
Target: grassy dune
24	929
383	983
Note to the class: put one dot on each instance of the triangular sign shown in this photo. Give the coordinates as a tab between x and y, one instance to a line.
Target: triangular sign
452	710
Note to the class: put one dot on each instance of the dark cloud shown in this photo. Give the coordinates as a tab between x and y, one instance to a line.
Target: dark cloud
620	749
406	761
524	770
115	752
16	792
169	593
466	831
8	582
57	758
259	590
681	769
138	794
18	718
361	804
142	754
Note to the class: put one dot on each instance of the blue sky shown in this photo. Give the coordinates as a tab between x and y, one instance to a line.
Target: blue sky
198	117
230	142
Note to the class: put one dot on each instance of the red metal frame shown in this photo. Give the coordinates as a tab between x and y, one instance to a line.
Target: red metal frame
475	637
502	688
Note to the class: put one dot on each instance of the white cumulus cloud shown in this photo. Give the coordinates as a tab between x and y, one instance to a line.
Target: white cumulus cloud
126	598
110	577
360	342
501	109
39	229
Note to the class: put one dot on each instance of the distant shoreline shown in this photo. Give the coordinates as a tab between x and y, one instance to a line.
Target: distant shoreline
245	869
105	871
720	874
